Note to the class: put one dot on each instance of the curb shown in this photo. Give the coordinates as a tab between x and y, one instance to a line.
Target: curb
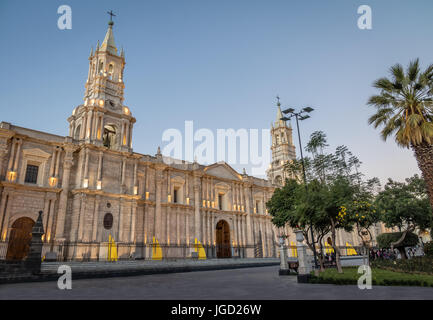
131	273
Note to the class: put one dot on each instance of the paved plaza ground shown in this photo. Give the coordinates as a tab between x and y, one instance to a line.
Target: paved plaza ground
248	283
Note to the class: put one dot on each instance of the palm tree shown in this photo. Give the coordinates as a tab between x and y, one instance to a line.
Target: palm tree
405	109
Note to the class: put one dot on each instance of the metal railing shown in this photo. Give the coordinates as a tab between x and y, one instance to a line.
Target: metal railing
106	251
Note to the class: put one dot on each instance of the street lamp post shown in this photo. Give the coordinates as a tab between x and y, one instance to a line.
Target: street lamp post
302	115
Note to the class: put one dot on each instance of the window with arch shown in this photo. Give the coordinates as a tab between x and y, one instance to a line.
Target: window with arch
77	132
101	67
110	71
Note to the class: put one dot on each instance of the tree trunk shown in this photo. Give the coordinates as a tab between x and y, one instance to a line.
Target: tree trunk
424	157
402	253
336	249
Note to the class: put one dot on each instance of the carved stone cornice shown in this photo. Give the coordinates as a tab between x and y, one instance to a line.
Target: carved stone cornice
102	193
18	186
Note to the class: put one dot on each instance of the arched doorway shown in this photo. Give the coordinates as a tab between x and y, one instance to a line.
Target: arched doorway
223	248
19	239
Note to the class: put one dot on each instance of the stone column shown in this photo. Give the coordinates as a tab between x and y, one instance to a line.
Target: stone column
134	182
5	206
269	237
187	228
11	156
158	222
81	224
121	222
49	230
46	213
197	220
3	154
53	157
99	175
305	266
17	158
57	167
249	234
89	125
61	213
263	232
177	227
133	219
95	219
3	196
284	266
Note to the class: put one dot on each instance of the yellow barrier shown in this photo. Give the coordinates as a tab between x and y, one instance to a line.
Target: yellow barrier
199	248
156	250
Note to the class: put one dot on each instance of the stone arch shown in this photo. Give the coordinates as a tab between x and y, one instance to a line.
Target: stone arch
16	216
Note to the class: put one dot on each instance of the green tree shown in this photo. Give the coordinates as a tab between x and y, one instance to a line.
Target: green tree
291	205
405	108
333	179
405	205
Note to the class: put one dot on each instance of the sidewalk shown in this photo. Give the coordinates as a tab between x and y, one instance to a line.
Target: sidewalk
85	270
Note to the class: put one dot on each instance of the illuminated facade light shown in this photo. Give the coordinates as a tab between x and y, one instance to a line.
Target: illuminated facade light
99	185
92	102
101	103
12	175
169	198
204	203
208	203
147	195
85	103
85	183
135	190
126	110
52	181
187	201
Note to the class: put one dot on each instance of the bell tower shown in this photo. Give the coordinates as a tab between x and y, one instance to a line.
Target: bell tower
283	149
103	119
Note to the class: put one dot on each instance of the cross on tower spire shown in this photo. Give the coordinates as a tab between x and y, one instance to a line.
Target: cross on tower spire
111	17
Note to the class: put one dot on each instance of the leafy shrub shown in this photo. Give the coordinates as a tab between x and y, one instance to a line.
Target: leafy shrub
384	240
380	277
428	249
416	264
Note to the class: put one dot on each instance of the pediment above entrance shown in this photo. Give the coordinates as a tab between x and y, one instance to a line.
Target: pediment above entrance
222	170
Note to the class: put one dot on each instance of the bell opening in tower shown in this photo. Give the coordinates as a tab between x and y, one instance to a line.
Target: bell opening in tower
109	137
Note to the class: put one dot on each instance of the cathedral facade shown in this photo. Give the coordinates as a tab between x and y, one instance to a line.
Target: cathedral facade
94	189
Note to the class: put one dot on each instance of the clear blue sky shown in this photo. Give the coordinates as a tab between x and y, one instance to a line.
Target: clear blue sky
218	63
